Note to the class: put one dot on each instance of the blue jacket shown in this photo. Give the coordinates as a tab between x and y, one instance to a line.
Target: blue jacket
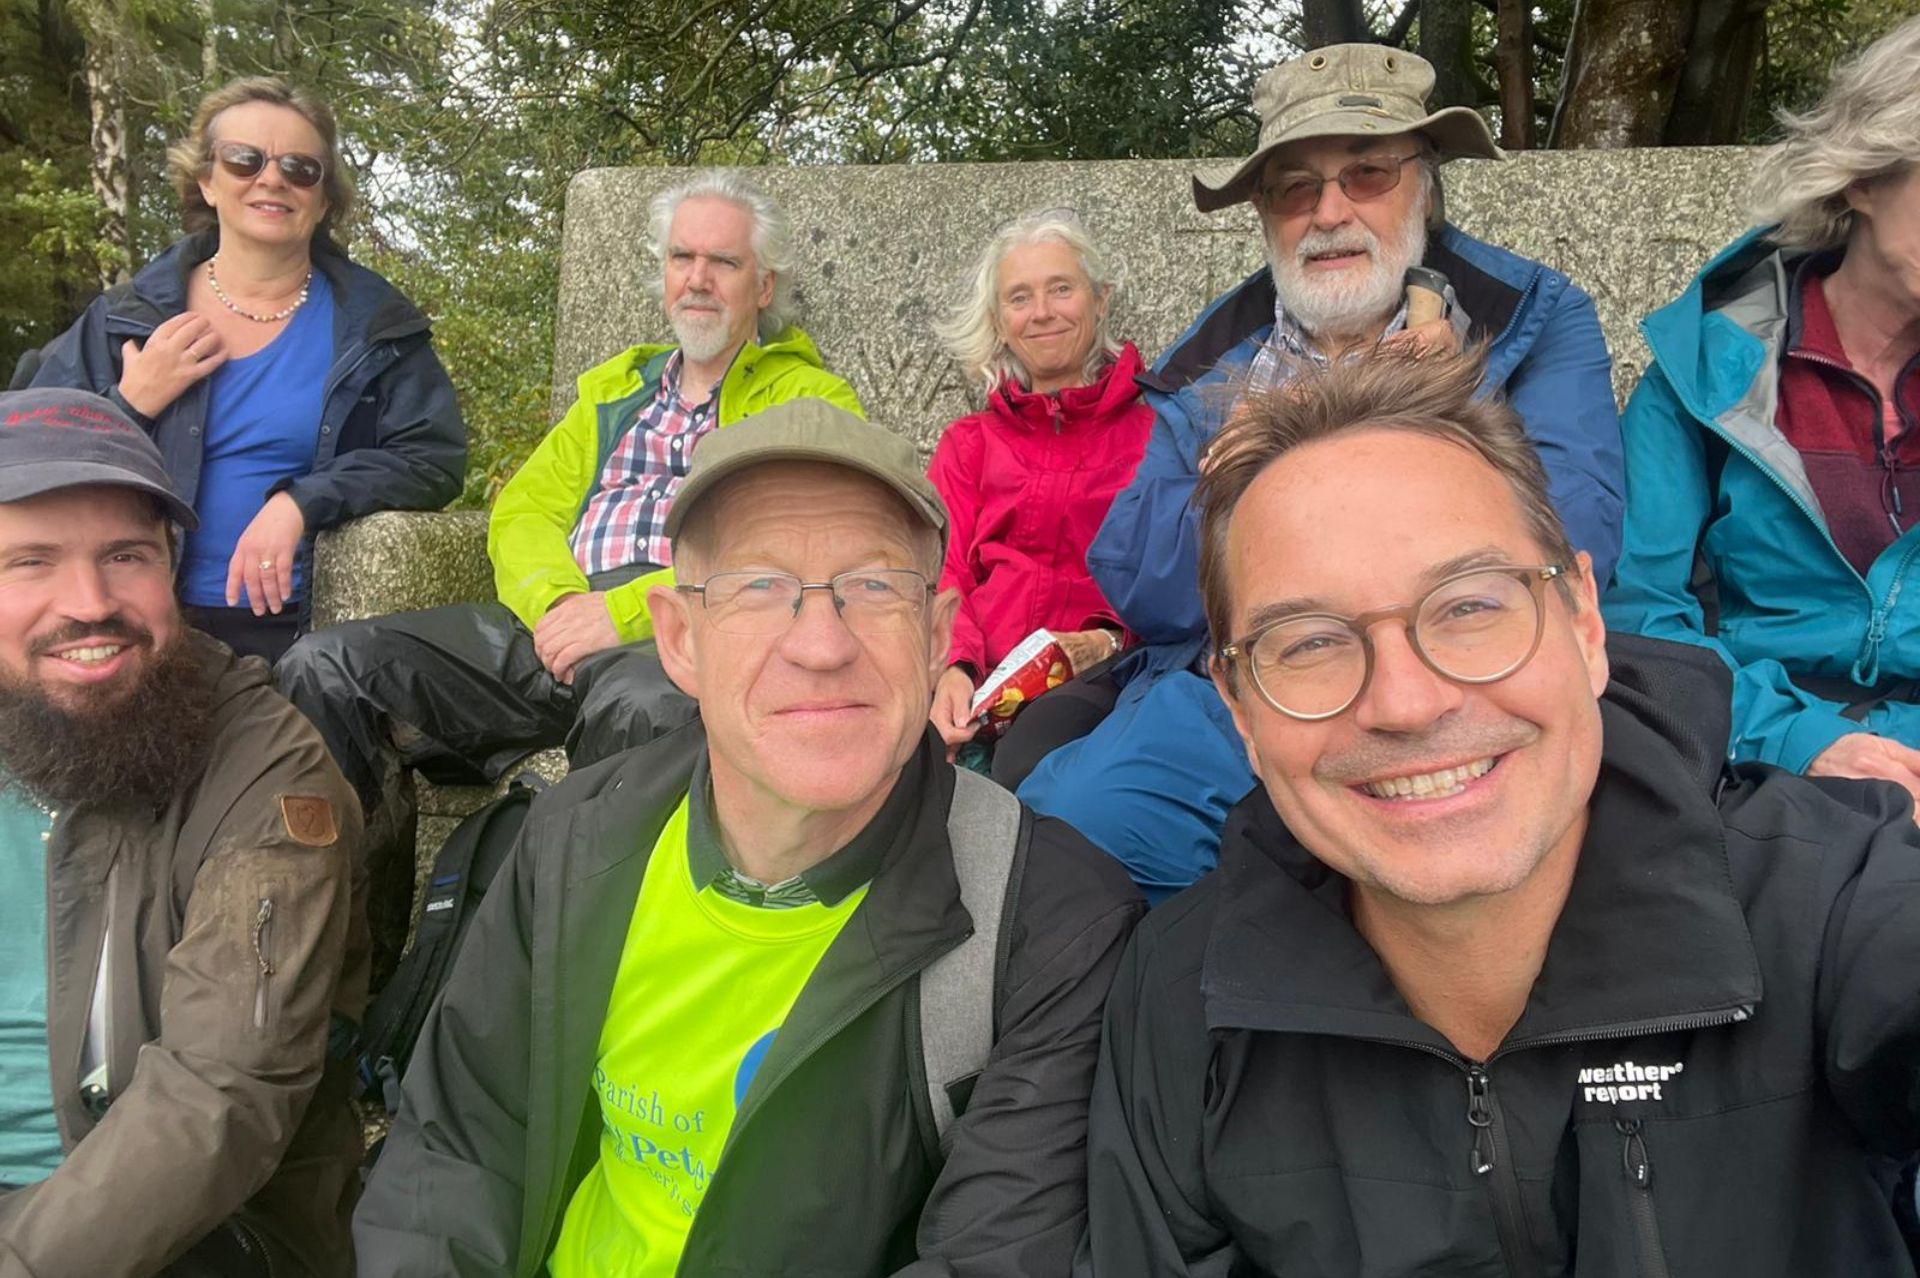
1709	471
391	434
1547	354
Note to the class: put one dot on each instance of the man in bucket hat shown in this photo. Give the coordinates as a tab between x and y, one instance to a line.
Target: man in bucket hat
1346	181
179	929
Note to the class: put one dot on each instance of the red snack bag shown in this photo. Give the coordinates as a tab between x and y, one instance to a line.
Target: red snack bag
1039	664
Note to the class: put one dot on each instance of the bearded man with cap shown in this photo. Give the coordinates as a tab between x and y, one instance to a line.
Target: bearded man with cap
1346	180
780	991
180	927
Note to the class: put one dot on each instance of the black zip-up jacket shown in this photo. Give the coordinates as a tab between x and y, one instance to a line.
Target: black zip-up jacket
391	435
1725	1027
832	1165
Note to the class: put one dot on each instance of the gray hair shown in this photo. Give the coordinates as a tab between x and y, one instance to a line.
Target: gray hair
772	234
971	330
1865	127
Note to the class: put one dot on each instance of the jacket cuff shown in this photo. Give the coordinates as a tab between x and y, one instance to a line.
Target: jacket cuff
1807	737
627	605
139	418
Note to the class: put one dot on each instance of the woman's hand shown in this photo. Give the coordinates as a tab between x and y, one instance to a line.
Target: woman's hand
1088	648
952	709
262	562
178	353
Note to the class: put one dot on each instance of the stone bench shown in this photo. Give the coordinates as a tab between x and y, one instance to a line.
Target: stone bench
881	249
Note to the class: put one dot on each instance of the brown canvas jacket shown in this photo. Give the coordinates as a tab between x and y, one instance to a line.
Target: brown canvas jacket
235	937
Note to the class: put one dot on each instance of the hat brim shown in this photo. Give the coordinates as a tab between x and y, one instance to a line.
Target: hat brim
703	482
21	482
1455	133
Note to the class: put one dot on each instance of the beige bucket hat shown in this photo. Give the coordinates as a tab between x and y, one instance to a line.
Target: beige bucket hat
1344	89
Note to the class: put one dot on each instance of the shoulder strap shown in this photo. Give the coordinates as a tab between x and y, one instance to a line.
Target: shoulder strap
989	832
1705	586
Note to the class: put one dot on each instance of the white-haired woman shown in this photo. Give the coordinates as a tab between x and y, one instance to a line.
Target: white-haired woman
1776	441
1028	480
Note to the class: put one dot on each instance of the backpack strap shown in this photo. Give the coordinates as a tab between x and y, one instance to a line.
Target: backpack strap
989	832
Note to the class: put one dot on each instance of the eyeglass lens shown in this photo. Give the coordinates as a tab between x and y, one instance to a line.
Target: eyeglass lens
1366	179
1475	629
244	161
759	603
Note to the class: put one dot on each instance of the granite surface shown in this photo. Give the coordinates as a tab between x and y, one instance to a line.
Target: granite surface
397	561
882	250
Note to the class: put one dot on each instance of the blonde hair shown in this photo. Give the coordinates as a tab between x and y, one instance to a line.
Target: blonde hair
190	159
971	330
1867	126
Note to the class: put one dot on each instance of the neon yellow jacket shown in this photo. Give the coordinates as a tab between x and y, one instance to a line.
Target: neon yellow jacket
529	535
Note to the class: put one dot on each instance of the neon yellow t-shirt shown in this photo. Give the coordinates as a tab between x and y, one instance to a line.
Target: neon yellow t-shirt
703	987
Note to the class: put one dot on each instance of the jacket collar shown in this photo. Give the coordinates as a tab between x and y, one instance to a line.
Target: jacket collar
1076	407
368	304
1651	929
1247	312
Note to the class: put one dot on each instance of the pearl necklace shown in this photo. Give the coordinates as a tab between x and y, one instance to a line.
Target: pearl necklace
274	318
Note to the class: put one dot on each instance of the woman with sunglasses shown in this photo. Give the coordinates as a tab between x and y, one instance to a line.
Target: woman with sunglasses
1029	479
289	389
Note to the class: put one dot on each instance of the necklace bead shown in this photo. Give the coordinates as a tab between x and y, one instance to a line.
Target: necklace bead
276	317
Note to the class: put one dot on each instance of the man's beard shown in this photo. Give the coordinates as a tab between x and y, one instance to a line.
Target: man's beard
117	747
703	335
1337	304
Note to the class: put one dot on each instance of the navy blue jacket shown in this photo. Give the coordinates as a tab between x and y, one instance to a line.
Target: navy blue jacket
1547	355
391	435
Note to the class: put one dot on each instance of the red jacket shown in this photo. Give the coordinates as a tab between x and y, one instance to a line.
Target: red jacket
1027	484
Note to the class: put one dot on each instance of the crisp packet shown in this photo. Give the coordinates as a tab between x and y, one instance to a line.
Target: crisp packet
1039	664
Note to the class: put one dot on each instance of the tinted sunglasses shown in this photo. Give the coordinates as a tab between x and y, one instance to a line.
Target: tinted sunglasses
244	161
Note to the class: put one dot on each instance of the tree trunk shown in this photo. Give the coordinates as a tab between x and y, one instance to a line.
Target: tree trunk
109	165
1623	63
1324	22
209	47
1513	59
1446	40
1716	81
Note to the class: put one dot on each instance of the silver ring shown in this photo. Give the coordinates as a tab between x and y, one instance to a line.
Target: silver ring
267	564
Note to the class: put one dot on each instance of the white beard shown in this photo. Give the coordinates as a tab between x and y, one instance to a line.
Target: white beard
703	335
1349	302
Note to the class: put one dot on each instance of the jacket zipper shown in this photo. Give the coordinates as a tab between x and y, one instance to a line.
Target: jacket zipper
1492	1162
262	947
1638	1168
253	1245
1881	447
1491	1158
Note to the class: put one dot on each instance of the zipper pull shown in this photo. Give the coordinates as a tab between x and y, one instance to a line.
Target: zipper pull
1633	1153
260	922
1480	1118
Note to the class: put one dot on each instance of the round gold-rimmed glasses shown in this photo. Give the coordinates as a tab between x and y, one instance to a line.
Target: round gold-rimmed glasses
1473	627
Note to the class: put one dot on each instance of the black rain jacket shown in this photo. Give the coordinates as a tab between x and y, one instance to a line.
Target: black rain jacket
1726	1026
832	1165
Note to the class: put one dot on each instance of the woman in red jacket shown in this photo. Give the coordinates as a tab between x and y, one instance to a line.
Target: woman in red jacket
1028	481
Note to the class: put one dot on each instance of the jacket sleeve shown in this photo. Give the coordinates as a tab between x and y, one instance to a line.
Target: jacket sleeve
1146	1195
1667	482
529	534
1868	999
955	472
1146	556
1012	1196
83	358
1563	390
246	1004
446	1195
418	461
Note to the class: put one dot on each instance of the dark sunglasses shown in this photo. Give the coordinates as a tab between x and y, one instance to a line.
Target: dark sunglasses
244	161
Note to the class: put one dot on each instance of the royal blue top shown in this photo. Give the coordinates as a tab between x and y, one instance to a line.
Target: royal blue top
263	425
29	1133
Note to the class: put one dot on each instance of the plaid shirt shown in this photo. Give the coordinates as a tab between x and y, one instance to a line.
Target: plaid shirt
625	519
1291	345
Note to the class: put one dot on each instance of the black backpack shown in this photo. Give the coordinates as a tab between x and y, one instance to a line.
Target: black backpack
462	870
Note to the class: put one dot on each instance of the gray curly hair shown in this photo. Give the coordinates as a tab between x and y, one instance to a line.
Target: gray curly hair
772	234
1867	126
971	330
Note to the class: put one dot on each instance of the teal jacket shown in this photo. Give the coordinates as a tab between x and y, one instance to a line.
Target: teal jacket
1707	468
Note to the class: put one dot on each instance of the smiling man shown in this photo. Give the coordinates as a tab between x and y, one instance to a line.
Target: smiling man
178	926
782	992
1496	936
1346	181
